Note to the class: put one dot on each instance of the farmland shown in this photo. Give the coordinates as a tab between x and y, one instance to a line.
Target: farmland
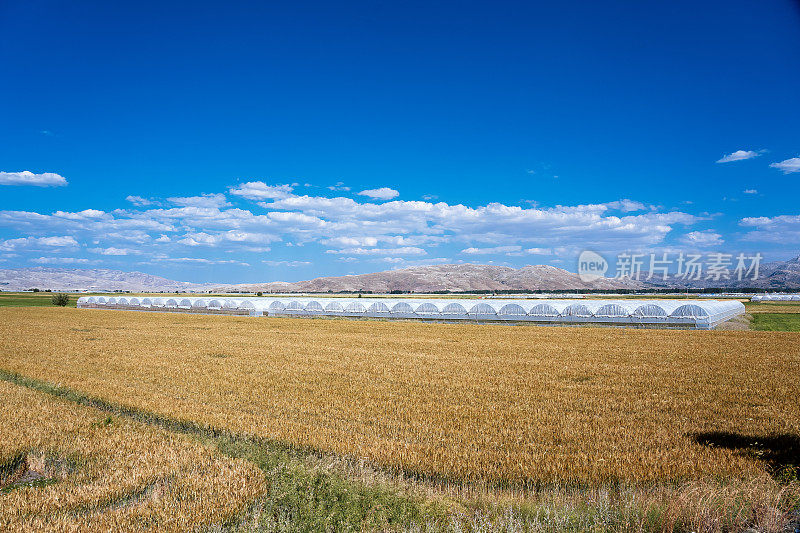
447	409
71	467
519	394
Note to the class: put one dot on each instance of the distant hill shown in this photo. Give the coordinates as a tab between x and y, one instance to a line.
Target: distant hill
457	278
776	275
781	275
87	279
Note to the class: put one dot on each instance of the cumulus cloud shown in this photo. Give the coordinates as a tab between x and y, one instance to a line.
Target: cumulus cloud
61	260
492	250
781	229
57	241
139	201
396	240
204	200
200	260
258	190
626	206
349	227
703	238
231	236
115	251
539	251
340	186
740	155
272	263
788	166
384	193
37	242
405	250
86	214
45	179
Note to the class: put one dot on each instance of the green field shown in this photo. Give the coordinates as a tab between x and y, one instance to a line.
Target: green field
777	321
31	299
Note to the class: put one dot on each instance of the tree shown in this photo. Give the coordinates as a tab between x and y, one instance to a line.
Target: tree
60	299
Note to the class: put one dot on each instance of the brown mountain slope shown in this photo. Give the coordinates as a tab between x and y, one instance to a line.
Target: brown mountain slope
465	277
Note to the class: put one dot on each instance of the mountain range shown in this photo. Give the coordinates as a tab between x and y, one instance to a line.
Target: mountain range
99	279
780	275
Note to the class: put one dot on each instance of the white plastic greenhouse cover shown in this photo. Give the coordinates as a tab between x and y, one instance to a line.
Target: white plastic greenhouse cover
775	298
700	314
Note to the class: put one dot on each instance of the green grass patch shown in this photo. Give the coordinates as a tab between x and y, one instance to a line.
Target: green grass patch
31	299
776	321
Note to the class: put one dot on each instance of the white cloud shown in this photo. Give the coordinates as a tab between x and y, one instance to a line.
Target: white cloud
491	223
286	263
86	214
405	250
492	250
206	200
788	166
703	238
351	241
539	251
37	242
352	227
200	260
231	236
61	260
750	191
781	229
139	201
339	187
45	179
626	206
384	193
739	155
130	236
258	190
13	244
396	240
57	241
115	251
402	262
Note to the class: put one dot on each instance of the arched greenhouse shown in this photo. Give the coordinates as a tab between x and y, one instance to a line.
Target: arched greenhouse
699	314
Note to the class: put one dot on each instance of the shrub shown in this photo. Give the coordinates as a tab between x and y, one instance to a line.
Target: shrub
60	299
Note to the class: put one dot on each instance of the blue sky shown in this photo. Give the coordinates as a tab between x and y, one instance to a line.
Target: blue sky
235	142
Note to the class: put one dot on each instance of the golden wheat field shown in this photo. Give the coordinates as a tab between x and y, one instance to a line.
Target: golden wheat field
507	404
82	471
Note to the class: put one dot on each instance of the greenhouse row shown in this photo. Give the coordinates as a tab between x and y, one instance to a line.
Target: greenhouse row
776	298
699	314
